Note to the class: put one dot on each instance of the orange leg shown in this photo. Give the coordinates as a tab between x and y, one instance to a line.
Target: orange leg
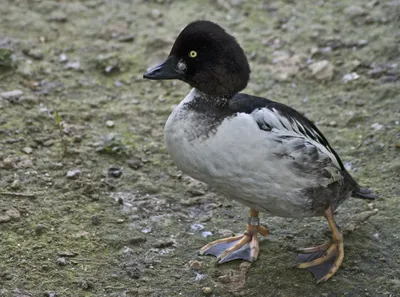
324	260
244	246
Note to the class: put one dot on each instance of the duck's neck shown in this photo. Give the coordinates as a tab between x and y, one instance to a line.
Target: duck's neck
212	100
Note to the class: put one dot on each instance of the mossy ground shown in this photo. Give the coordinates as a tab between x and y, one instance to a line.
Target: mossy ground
132	235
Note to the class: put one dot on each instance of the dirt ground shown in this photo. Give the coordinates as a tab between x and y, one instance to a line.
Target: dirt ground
92	205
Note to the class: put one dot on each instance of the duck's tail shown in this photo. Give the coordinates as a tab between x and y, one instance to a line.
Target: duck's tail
358	191
364	193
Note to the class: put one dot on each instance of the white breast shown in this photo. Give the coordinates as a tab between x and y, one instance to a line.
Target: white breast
238	160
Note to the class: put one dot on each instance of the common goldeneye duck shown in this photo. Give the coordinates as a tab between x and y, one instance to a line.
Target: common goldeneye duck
258	152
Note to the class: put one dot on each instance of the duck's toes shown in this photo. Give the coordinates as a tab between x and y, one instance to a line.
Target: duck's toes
243	247
322	263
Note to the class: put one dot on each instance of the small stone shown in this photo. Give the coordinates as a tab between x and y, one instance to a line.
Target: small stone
225	232
133	272
114	171
350	76
12	95
13	213
110	124
195	189
34	53
61	261
15	184
195	265
332	123
81	234
67	254
207	290
355	11
155	14
27	150
40	229
73	174
164	244
377	126
137	240
4	219
95	220
146	230
199	276
322	70
127	38
197	227
205	234
135	163
49	143
58	16
63	58
73	65
224	279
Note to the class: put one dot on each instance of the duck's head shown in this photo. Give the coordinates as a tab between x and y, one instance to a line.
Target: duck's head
207	58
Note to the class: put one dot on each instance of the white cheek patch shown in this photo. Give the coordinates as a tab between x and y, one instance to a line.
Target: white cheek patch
181	67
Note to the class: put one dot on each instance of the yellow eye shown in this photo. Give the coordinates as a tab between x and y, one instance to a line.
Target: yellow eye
193	54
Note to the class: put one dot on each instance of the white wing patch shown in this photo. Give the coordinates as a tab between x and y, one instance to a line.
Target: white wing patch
286	126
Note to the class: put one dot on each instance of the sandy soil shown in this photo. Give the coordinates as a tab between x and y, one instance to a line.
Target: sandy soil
90	202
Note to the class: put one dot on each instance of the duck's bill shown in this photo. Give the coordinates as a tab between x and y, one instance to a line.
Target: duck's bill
166	70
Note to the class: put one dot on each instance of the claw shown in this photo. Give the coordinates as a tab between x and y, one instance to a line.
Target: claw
244	246
323	261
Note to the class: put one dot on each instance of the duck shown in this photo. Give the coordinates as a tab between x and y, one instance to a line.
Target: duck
258	152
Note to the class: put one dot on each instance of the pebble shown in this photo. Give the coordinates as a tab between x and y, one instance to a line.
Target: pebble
377	126
207	290
67	254
224	279
350	76
322	70
164	244
195	265
27	150
146	230
40	229
135	163
15	184
137	240
63	58
4	219
195	189
114	171
12	95
199	276
58	16
127	38
355	11
34	53
72	174
110	124
61	261
73	65
205	234
197	227
95	220
13	213
225	232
